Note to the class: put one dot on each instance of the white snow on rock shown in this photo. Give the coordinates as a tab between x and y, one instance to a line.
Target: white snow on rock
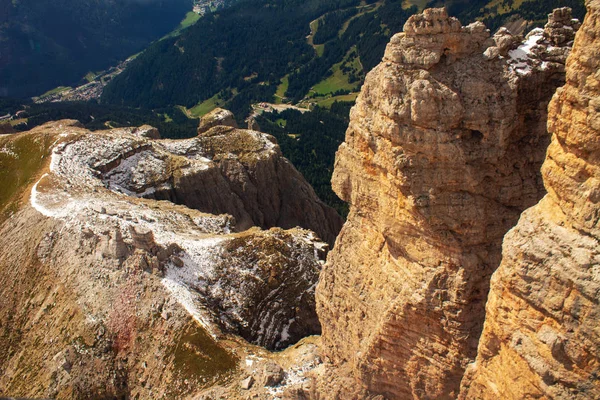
95	184
294	377
520	58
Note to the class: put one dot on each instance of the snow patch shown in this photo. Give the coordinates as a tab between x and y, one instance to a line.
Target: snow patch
521	57
294	376
33	199
184	296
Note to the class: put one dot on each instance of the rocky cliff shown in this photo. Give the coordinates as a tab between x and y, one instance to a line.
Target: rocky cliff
106	291
223	171
541	336
442	155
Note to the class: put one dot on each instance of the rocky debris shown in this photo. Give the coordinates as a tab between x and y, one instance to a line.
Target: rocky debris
262	287
271	374
217	117
504	42
545	49
253	124
111	245
284	375
145	291
541	337
147	131
223	171
442	155
247	383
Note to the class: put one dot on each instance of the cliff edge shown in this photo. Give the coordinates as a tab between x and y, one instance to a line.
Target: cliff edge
442	155
108	290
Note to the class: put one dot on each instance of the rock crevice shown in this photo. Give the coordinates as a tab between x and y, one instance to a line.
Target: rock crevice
541	336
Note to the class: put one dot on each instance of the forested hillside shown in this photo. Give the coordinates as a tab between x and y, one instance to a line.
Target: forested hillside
288	51
44	44
311	53
310	141
239	52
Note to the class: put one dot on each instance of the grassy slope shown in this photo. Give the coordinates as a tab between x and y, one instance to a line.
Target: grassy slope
338	80
326	103
190	19
56	90
419	3
205	107
22	157
314	27
281	89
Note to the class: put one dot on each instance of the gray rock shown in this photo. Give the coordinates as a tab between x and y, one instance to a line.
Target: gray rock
270	375
247	383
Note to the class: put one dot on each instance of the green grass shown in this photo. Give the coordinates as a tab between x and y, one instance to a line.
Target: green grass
281	122
314	27
190	19
15	122
281	89
319	48
56	90
22	156
205	107
90	76
326	103
337	81
199	359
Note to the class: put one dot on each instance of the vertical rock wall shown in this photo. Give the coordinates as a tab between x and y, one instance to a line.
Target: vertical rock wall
442	155
542	336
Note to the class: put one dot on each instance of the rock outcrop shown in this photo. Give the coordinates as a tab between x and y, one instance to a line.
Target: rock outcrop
222	171
217	117
442	155
541	338
107	292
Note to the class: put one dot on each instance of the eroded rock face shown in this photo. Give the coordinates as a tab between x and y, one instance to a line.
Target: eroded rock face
441	156
222	171
107	292
541	337
217	117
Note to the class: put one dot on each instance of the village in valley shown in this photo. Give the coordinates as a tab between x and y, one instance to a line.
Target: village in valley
96	82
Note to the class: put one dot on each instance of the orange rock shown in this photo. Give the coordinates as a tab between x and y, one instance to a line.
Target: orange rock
541	337
442	155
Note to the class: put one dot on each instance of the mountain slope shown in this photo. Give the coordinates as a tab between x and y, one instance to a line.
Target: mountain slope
108	290
46	44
